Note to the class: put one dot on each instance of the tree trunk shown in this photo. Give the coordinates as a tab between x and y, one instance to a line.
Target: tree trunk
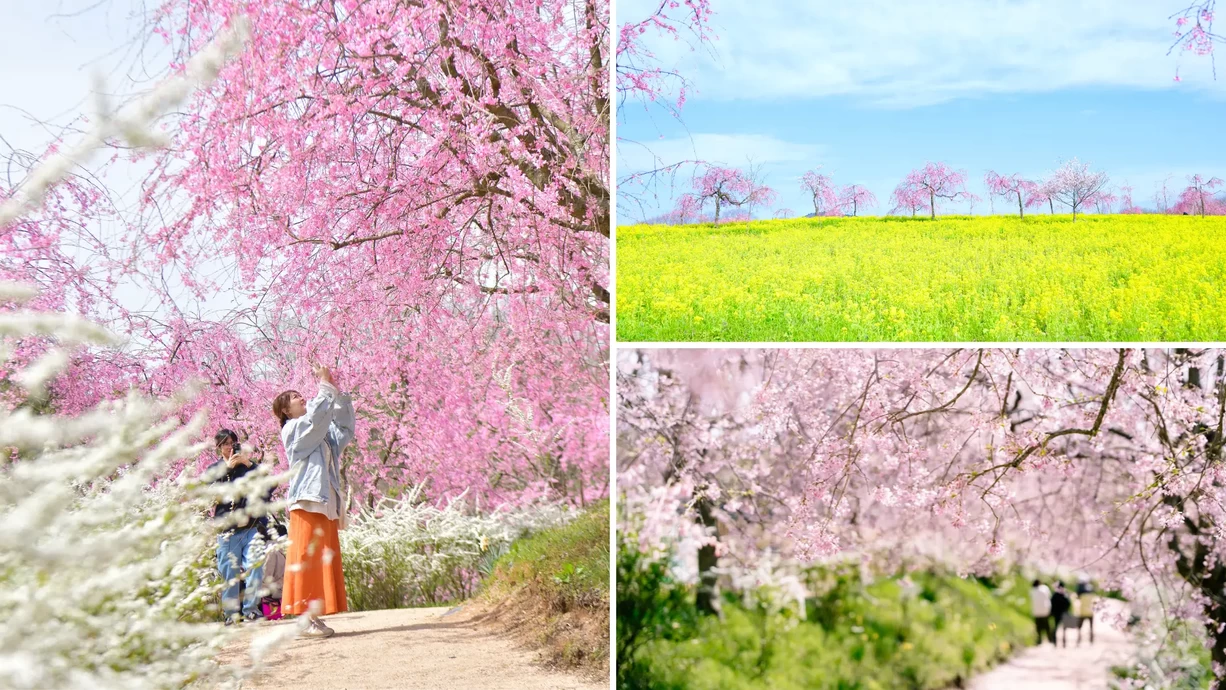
717	210
1217	632
1193	563
1052	205
932	204
1021	213
853	207
707	561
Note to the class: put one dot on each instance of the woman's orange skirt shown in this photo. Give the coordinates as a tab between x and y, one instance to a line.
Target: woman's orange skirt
313	565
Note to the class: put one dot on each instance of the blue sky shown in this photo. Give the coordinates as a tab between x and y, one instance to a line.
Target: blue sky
54	50
871	91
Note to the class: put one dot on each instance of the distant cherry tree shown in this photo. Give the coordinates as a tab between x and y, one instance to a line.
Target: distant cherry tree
1197	199
731	187
853	197
1103	202
936	181
688	209
1074	184
908	197
1126	204
821	189
1012	187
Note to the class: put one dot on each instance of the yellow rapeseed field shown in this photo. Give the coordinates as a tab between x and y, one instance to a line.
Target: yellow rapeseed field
958	278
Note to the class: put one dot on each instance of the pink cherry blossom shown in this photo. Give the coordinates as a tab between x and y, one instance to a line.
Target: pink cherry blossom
417	194
923	186
1074	185
1197	199
854	197
1012	187
821	189
739	189
1103	461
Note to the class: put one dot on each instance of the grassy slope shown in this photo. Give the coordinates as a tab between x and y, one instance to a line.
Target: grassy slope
553	589
999	278
861	640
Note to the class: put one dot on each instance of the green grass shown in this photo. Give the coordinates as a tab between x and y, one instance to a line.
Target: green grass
998	278
558	580
854	638
569	565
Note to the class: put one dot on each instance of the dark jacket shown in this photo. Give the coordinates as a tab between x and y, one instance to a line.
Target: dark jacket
1060	605
224	508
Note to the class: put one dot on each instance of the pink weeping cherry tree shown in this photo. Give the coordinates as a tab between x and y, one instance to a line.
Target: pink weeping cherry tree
1012	187
417	194
1199	197
1126	203
936	181
854	197
731	188
908	197
1103	202
1044	194
821	190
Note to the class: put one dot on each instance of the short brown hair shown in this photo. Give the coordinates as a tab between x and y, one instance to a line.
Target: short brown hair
280	404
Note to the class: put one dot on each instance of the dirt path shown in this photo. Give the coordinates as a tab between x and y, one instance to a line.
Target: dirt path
404	648
1073	668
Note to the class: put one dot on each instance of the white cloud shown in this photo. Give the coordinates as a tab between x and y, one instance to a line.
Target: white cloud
902	53
727	149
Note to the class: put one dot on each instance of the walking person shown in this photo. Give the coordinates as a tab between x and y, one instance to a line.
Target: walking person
1086	598
315	433
240	545
1060	606
1040	608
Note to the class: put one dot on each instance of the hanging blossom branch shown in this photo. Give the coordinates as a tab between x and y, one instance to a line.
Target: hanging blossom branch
521	411
1194	31
133	123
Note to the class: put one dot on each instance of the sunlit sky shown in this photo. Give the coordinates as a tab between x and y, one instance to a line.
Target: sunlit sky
61	47
871	89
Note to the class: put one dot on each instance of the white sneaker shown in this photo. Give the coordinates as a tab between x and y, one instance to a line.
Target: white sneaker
316	631
319	623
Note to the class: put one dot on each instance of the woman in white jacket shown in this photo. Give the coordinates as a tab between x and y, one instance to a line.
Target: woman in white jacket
315	433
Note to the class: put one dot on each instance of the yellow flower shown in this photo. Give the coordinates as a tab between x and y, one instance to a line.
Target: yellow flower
1111	277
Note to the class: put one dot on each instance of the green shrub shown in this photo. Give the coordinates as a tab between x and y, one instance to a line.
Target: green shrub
554	585
569	565
856	635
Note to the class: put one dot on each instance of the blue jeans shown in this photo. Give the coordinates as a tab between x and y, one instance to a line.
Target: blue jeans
236	552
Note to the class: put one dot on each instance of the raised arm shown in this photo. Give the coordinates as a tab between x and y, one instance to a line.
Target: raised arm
343	421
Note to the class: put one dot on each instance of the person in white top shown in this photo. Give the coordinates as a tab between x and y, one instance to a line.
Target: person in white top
1040	608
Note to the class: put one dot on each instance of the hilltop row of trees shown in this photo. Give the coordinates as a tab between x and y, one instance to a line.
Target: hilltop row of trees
727	194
